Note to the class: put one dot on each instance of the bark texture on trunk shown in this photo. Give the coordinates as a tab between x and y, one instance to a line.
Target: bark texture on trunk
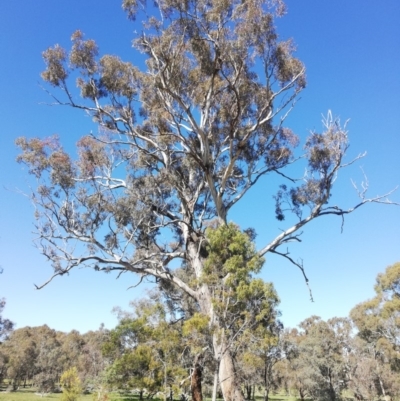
248	389
228	381
332	392
195	382
228	378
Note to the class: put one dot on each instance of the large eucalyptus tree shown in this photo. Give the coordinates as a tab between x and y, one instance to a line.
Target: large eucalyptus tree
179	144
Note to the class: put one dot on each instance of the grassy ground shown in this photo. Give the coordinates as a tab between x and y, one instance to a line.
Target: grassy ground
29	395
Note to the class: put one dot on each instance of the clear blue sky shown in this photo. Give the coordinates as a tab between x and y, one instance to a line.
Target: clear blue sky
352	53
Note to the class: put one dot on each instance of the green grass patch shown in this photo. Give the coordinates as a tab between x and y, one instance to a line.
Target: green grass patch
30	394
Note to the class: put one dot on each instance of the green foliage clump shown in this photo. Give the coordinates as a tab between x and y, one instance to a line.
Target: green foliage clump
71	385
146	351
231	256
241	302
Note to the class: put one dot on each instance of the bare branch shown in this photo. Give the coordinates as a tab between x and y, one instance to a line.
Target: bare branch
299	265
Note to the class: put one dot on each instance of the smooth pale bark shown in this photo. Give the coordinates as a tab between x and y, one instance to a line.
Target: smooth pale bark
215	386
382	387
228	380
229	383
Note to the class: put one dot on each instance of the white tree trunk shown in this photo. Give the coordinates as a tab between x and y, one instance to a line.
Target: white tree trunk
228	381
215	386
229	384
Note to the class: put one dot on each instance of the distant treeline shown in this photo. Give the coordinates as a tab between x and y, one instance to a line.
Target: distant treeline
156	349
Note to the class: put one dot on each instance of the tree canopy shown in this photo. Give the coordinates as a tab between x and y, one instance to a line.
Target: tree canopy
178	144
6	325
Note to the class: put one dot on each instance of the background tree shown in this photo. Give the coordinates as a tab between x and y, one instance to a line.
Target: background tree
179	145
48	359
21	351
378	324
293	371
315	358
364	371
271	352
146	350
256	359
6	325
92	364
39	355
71	345
3	363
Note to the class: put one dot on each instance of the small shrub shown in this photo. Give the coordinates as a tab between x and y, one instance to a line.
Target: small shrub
71	385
